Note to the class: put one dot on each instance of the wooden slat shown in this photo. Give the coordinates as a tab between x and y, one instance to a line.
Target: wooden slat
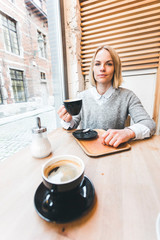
135	53
107	27
135	64
128	59
94	4
129	63
128	19
140	62
105	10
101	6
122	35
126	54
118	15
130	26
130	49
126	29
136	67
123	45
133	60
156	55
123	40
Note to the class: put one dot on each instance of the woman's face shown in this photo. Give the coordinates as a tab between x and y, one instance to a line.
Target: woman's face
103	68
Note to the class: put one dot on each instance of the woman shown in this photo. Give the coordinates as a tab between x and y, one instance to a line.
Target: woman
106	105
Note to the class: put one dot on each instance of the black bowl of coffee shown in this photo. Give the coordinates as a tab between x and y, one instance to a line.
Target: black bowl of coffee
73	106
63	173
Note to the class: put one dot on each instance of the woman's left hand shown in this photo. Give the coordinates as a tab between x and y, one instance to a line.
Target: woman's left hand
114	137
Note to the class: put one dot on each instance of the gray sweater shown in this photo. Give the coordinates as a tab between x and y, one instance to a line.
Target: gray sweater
113	112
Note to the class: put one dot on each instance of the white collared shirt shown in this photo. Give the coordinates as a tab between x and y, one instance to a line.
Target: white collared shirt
100	99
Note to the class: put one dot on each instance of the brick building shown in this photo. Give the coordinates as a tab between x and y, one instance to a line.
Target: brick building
25	61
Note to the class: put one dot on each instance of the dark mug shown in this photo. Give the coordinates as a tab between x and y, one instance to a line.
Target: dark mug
63	173
73	106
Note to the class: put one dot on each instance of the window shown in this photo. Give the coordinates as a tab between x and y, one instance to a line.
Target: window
1	96
10	35
18	85
43	77
1	99
42	45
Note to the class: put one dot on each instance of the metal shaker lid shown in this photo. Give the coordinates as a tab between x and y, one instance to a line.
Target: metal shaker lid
39	128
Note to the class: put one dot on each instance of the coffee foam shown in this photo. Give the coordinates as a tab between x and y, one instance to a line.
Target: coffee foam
62	171
72	100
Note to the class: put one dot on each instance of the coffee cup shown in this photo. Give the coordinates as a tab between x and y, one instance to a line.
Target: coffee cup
73	106
63	173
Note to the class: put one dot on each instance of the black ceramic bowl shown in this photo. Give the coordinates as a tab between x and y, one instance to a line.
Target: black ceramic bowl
59	177
73	107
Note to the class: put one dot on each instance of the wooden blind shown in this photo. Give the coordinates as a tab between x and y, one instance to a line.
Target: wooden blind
131	27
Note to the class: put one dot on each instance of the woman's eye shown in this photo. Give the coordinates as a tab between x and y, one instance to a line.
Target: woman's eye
107	64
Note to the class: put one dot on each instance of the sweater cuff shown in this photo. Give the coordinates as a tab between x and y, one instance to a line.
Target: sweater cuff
140	130
67	125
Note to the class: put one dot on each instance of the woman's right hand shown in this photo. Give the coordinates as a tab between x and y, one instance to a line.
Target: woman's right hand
63	114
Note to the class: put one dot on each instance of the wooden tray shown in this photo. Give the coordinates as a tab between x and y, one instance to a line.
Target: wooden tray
95	148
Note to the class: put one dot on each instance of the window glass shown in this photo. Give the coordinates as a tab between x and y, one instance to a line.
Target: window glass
18	85
10	35
7	41
26	82
43	76
42	45
1	101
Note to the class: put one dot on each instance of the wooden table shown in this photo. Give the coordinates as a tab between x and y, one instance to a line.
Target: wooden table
127	186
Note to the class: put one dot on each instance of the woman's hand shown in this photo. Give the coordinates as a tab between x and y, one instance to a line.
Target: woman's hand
114	137
63	114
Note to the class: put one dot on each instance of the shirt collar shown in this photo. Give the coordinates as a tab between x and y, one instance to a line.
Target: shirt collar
106	95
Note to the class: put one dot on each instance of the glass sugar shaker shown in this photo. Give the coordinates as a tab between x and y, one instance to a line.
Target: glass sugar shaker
40	146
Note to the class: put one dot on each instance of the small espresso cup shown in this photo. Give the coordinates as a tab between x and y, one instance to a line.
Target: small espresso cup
63	173
73	106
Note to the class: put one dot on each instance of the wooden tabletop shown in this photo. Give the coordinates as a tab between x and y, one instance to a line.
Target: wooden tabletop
127	186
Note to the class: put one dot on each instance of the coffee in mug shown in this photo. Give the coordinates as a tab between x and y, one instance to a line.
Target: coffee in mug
63	173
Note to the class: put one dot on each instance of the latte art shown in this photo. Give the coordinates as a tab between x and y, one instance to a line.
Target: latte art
63	171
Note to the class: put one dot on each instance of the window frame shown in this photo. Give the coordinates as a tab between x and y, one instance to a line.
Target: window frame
1	96
43	79
42	45
16	93
10	34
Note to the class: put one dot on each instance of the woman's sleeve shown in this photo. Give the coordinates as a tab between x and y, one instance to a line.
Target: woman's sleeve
139	114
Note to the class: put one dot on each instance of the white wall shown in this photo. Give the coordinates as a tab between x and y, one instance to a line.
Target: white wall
142	83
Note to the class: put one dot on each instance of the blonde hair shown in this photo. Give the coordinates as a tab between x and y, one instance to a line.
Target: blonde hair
117	76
